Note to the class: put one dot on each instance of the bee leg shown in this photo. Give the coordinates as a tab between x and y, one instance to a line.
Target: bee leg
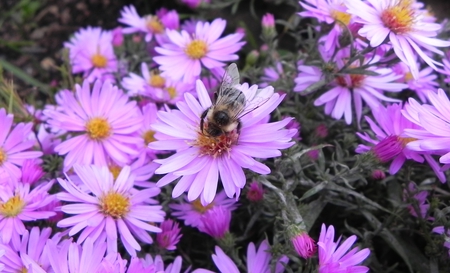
202	119
238	127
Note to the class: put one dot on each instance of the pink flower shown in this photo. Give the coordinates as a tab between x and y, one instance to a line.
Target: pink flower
182	59
14	145
117	36
109	207
434	134
18	204
200	158
304	245
103	121
258	260
30	257
268	21
150	265
192	212
92	53
151	25
272	74
390	142
31	171
413	195
169	236
216	222
255	192
334	259
402	23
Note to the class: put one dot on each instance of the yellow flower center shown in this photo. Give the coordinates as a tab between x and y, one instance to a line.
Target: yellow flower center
340	16
24	270
12	207
197	204
215	146
172	92
115	205
406	140
149	137
399	17
197	49
115	170
98	128
154	24
408	77
3	156
99	60
156	80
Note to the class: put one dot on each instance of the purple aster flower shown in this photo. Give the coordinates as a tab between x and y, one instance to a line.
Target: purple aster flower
425	81
446	234
334	259
169	236
150	265
434	134
216	222
348	89
30	257
91	52
109	207
31	171
303	244
104	122
272	74
258	260
151	25
68	257
191	212
14	143
201	158
19	204
401	23
184	56
412	194
156	87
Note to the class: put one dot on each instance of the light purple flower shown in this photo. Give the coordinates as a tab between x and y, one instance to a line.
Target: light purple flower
446	234
110	207
182	59
191	212
31	171
304	245
19	204
216	222
169	236
412	194
200	159
272	74
258	260
104	122
156	265
399	21
14	143
91	52
334	259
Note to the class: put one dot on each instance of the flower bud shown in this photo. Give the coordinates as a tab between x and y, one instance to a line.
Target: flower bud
255	192
388	148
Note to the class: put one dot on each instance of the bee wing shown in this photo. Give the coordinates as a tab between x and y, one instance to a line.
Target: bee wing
229	80
259	99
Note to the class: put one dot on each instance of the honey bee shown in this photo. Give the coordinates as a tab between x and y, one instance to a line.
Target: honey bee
230	105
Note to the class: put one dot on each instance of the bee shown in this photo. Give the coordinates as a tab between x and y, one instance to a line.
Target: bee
230	105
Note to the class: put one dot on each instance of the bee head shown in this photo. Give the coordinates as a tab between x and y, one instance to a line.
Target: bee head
221	118
214	131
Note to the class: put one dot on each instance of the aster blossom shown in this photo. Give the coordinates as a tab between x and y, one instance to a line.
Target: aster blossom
103	120
434	133
183	58
169	236
390	123
110	207
403	24
334	259
14	143
200	159
91	52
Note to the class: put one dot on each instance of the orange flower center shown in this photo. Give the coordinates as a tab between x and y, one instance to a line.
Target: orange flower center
149	136
197	49
115	170
99	60
406	140
98	128
154	25
341	16
216	146
399	17
12	207
172	92
3	156
356	80
156	80
115	205
197	204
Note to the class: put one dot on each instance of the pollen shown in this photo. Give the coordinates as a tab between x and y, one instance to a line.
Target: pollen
172	92
98	128
156	80
99	61
154	24
149	137
341	16
399	17
115	205
216	146
197	204
197	49
3	156
12	207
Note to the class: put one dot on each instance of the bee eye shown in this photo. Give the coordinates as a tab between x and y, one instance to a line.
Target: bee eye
221	118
